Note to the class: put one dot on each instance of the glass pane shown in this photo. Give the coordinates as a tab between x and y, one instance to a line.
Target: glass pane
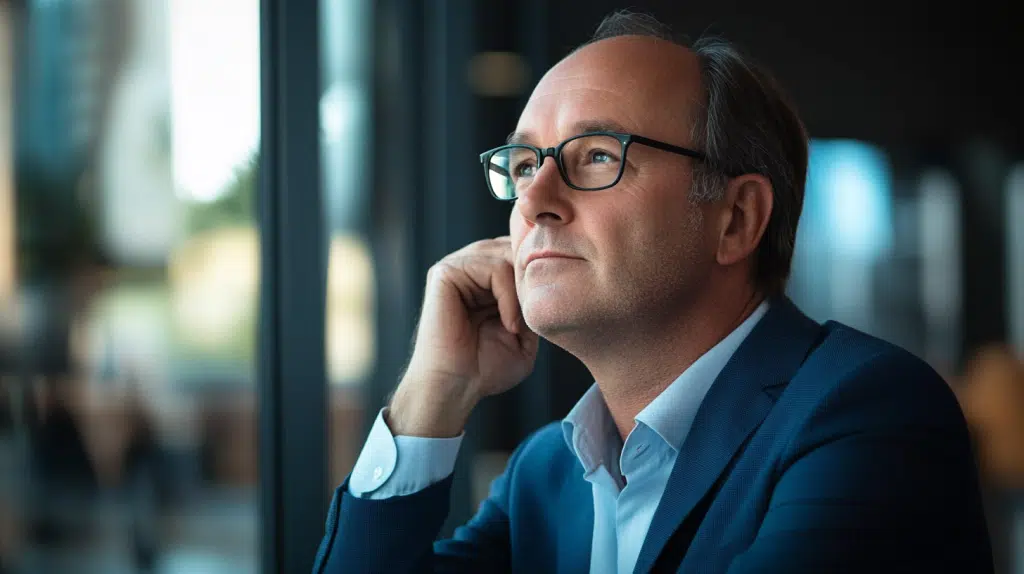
845	232
128	283
882	257
884	262
938	217
346	144
1015	260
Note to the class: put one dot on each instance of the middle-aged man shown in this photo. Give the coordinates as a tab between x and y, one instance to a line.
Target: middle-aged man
657	189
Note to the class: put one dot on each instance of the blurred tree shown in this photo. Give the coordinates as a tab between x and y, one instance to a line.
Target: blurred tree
57	232
234	207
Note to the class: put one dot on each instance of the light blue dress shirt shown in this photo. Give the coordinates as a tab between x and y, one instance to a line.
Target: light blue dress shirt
628	478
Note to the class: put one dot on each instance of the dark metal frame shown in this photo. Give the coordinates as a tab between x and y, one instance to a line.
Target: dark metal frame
292	384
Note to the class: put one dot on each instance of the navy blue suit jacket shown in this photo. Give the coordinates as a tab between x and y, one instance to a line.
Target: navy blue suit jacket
817	449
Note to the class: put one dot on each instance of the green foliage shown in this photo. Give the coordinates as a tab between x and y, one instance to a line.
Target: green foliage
236	206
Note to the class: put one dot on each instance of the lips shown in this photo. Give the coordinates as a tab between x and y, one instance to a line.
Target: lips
547	255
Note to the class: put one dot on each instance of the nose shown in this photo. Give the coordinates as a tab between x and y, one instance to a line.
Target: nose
546	199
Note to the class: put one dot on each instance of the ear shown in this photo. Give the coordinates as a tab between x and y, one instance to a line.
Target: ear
745	209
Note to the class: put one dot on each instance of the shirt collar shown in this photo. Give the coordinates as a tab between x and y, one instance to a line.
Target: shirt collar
590	432
671	413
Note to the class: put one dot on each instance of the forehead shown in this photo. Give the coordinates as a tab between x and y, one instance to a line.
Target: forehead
648	86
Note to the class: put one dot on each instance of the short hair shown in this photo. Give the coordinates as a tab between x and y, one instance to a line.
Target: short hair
747	125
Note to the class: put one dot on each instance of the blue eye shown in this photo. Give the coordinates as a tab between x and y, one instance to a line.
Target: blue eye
524	169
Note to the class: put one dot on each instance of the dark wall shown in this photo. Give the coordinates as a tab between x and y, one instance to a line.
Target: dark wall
890	72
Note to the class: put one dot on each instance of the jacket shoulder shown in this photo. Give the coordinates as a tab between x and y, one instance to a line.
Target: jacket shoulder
851	371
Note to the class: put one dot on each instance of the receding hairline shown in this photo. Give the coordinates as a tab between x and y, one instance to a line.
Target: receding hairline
676	72
677	62
674	46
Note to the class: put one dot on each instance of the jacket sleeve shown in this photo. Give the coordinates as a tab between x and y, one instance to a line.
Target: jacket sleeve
880	479
397	535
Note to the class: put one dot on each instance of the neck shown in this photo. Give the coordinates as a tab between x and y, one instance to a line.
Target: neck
633	369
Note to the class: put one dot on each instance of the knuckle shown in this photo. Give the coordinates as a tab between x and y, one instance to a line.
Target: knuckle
439	270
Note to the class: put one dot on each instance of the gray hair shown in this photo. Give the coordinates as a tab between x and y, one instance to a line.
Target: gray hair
747	125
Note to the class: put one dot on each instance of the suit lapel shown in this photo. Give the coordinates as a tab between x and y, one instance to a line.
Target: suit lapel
734	407
576	524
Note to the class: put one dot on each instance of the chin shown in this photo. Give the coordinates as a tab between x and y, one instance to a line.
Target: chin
547	315
544	324
558	319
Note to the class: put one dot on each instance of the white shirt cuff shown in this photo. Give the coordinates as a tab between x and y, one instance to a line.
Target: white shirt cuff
401	465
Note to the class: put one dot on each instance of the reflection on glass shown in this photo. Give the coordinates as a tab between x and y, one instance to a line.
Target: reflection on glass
345	151
939	237
844	231
130	404
215	114
8	306
6	177
1015	261
350	337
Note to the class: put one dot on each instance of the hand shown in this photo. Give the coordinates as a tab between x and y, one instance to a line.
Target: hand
471	341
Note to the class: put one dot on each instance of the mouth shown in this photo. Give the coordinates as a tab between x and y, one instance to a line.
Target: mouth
548	256
549	260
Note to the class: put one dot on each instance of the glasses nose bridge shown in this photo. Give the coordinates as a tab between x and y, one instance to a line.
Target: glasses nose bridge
553	153
544	152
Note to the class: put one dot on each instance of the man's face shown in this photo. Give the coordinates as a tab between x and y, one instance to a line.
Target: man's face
638	250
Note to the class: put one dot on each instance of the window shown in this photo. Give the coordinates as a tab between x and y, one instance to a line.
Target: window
1015	256
845	230
131	408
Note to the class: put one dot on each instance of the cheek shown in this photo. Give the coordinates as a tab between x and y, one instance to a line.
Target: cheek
617	239
654	239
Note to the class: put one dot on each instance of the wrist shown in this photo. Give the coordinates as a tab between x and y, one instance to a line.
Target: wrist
430	407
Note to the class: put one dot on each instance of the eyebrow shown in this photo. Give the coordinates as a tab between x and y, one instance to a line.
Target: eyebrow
578	128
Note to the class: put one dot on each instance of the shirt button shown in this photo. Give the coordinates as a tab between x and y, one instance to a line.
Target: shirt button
377	473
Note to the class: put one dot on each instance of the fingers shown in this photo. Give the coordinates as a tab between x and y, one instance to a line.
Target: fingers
487	282
482	273
528	340
503	285
497	247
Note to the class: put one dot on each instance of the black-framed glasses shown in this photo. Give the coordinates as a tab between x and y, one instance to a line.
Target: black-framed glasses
587	162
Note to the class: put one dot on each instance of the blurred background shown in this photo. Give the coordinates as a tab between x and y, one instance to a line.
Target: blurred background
216	219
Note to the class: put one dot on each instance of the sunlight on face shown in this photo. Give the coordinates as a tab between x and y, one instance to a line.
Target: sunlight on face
632	250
